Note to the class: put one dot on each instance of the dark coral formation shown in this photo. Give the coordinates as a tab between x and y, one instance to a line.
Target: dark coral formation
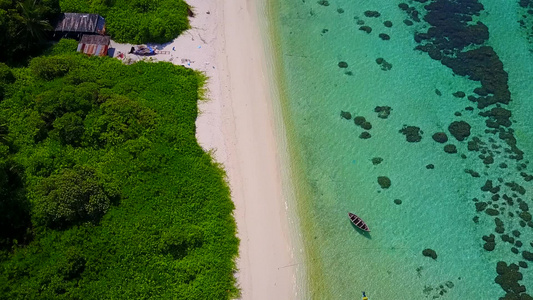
384	182
472	173
365	135
384	36
385	66
412	134
440	137
450	148
527	255
372	14
397	201
490	243
484	65
430	166
346	115
359	120
459	94
383	111
323	2
508	277
387	24
429	253
496	117
366	125
460	130
376	160
366	29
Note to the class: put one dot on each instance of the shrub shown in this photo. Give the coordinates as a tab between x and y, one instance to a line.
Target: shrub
136	21
71	197
48	68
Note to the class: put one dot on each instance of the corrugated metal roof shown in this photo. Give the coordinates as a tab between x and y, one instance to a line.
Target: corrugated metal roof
73	22
95	39
94	45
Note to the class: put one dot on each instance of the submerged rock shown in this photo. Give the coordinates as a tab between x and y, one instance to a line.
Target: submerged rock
384	182
527	255
365	135
460	130
346	115
450	148
472	172
459	94
412	134
408	22
376	160
366	125
385	66
359	120
384	36
429	253
440	137
372	14
508	277
366	29
383	111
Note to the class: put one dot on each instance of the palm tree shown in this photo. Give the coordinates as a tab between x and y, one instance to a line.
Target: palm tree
33	24
3	131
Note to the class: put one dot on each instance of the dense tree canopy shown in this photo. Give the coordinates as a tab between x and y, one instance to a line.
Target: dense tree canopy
23	26
104	191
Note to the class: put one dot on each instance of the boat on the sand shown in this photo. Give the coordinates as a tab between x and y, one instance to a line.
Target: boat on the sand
358	222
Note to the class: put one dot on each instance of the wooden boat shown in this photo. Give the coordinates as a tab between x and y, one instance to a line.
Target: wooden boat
358	222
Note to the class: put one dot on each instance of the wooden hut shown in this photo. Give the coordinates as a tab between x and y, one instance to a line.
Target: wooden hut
94	44
75	25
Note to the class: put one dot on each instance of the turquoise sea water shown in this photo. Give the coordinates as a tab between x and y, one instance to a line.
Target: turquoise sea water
335	173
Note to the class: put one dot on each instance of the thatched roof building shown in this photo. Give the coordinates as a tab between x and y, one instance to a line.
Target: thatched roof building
94	44
76	24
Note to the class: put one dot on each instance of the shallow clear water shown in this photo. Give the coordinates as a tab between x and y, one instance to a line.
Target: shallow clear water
336	174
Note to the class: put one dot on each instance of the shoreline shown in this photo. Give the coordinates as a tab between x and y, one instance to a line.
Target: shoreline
254	171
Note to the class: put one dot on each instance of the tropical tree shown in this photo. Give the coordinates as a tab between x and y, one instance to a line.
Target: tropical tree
33	22
70	197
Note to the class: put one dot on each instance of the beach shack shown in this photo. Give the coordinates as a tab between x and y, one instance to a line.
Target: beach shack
94	44
75	25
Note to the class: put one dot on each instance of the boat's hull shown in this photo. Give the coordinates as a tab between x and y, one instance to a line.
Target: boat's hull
358	222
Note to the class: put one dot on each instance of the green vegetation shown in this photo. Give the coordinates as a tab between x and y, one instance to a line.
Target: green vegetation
136	21
23	25
104	191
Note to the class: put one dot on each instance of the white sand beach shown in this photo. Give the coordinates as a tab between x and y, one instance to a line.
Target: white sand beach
237	123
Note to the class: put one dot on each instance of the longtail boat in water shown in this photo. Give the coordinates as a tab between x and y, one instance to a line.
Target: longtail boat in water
358	222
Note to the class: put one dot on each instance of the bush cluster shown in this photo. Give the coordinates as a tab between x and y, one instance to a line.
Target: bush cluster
104	190
136	21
